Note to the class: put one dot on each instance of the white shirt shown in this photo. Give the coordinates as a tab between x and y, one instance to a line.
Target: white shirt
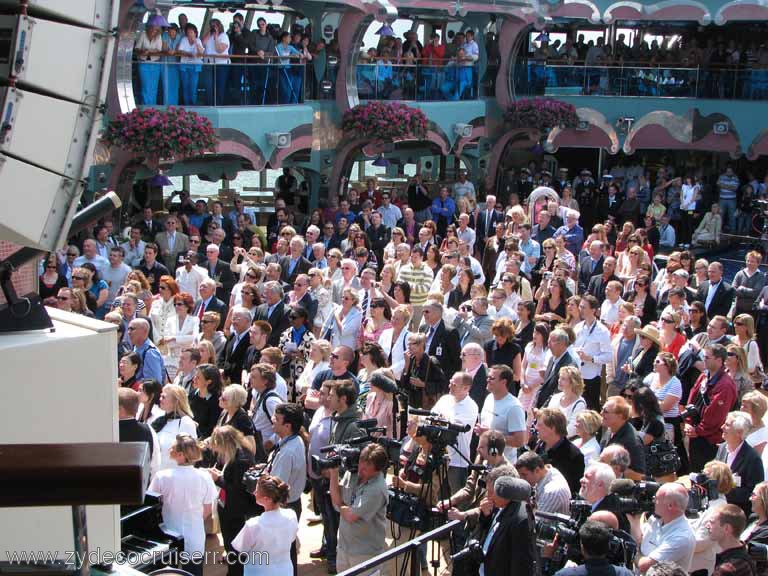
186	46
705	559
595	341
461	189
210	48
397	349
591	451
461	413
468	235
507	416
167	438
273	532
184	491
189	280
571	411
673	542
609	312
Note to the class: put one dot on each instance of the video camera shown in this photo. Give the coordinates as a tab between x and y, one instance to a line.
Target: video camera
482	470
251	477
347	456
636	497
439	432
472	551
703	489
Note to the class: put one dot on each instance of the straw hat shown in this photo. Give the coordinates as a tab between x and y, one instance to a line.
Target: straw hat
651	332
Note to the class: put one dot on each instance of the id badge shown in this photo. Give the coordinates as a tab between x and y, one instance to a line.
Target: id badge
737	480
439	351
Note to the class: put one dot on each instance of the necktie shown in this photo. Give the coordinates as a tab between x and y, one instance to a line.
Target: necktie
202	310
487	221
366	301
550	366
594	265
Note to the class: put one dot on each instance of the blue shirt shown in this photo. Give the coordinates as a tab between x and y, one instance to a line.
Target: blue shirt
286	51
530	248
152	365
574	238
445	208
297	335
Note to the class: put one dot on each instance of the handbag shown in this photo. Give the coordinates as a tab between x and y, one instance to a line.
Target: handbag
408	511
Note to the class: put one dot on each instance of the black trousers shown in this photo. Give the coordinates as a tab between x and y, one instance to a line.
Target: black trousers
296	507
231	523
701	453
677	427
330	518
592	393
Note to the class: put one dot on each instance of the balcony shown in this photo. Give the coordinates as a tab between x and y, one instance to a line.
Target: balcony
417	82
533	78
238	84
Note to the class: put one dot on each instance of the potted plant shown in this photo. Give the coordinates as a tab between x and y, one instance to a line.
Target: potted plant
386	121
541	114
153	134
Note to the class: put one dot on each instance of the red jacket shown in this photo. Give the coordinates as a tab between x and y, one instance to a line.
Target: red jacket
721	400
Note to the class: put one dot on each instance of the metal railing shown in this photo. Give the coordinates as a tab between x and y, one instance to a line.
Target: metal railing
411	546
386	81
534	78
206	84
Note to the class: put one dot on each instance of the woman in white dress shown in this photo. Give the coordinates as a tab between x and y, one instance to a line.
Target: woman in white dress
588	424
569	400
756	405
344	325
177	419
319	357
162	314
188	495
186	329
534	365
272	533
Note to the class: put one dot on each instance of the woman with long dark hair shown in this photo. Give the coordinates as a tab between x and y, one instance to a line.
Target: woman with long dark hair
204	399
646	406
462	292
149	396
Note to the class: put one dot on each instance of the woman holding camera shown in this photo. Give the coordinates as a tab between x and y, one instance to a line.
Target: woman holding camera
233	460
188	494
272	533
703	562
667	387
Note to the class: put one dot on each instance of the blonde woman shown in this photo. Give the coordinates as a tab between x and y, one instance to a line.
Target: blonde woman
319	361
756	405
588	424
705	550
187	494
744	326
207	352
569	400
736	366
233	415
209	330
710	227
177	419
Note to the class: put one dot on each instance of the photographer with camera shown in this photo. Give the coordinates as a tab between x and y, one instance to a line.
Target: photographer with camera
509	542
550	487
666	536
596	490
594	540
704	556
458	408
464	504
361	500
712	397
725	529
744	461
288	460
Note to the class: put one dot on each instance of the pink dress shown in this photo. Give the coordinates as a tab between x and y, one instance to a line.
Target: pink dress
379	405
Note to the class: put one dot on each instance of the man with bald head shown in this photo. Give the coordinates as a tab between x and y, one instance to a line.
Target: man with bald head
152	365
591	265
598	282
666	536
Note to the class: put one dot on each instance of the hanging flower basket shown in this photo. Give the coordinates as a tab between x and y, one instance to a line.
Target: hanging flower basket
385	121
541	114
162	134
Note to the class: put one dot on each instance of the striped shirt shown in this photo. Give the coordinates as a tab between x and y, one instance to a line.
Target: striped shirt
553	494
419	279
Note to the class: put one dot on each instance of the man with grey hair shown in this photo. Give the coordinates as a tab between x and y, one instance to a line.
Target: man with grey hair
152	365
274	311
348	279
311	236
617	457
624	345
558	344
232	358
596	489
219	271
666	536
442	342
296	263
743	459
473	322
572	232
485	226
591	265
208	301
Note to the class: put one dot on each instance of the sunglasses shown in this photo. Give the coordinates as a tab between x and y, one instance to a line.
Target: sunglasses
208	322
179	304
731	354
71	254
667	321
334	356
252	276
62	298
83	278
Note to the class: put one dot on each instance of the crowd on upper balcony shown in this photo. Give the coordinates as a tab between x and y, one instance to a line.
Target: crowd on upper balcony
236	66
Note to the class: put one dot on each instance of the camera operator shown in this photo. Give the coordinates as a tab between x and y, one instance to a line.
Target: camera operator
361	500
617	458
724	529
420	473
594	538
509	544
666	535
704	556
551	488
616	411
458	408
713	395
422	377
346	413
464	504
555	447
596	489
744	461
288	461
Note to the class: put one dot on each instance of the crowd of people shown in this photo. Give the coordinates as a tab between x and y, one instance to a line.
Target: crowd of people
574	359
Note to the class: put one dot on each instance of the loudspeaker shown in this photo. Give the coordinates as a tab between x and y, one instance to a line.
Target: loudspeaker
55	59
720	128
582	126
279	139
462	130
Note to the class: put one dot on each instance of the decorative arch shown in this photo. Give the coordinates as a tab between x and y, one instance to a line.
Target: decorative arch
538	193
599	134
666	10
517	138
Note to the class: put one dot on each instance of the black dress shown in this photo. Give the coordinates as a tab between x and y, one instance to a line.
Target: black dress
205	411
48	291
457	297
525	336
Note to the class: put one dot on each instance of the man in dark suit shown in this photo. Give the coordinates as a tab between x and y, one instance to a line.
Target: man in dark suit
217	216
596	490
220	272
558	346
442	342
130	429
209	303
507	534
716	294
556	449
608	205
295	263
744	461
149	226
232	358
598	282
274	311
485	226
591	265
303	297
